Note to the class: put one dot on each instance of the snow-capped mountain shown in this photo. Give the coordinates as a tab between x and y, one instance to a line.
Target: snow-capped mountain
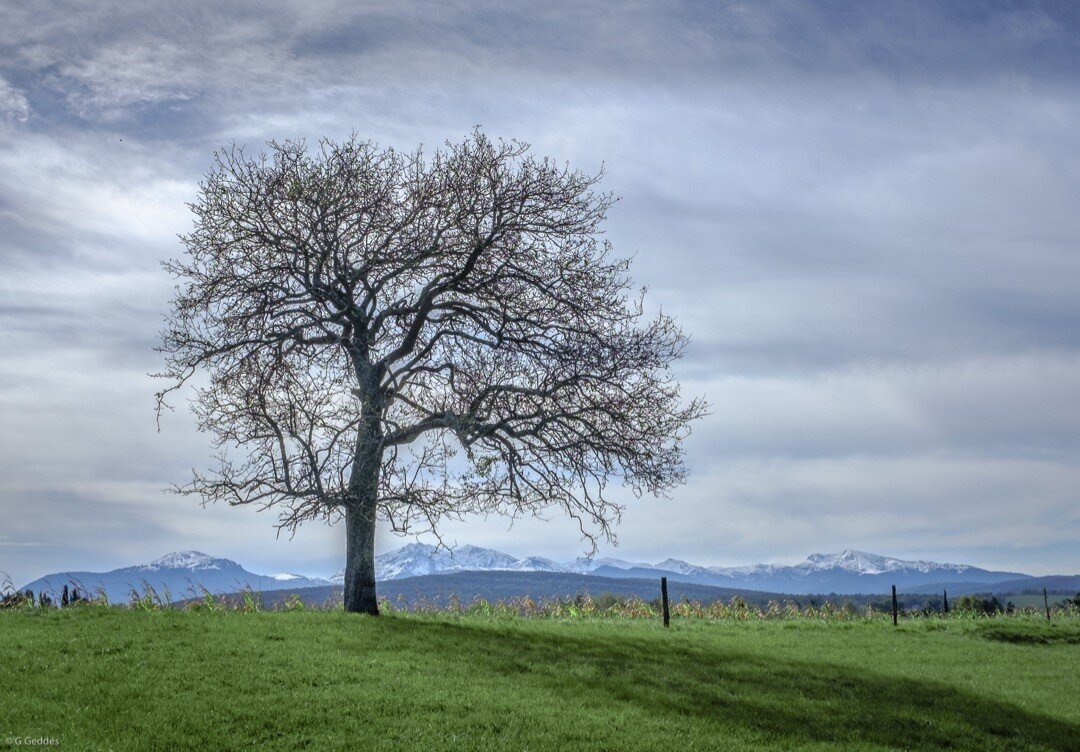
864	563
845	572
852	562
182	573
417	559
193	560
587	565
538	564
850	572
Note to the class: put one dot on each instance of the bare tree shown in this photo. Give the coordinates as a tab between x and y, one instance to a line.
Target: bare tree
410	338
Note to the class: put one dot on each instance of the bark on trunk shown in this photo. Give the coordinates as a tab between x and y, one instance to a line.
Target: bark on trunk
360	558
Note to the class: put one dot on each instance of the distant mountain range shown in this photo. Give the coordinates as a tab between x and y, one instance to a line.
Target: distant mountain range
183	573
848	572
843	573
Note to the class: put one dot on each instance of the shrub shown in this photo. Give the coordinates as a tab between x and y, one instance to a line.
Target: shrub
979	605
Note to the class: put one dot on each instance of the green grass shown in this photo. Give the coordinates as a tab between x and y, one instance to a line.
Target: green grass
107	678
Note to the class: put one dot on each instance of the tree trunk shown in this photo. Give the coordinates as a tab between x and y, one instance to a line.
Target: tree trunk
360	558
360	516
362	507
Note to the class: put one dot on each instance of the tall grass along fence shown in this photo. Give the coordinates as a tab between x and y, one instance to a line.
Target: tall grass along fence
197	598
601	607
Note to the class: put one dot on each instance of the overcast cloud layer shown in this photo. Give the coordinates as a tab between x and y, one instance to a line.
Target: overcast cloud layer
864	213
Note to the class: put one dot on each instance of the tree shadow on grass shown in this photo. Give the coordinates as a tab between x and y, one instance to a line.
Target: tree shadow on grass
802	701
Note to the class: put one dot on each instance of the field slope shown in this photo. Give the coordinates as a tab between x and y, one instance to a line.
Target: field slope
98	678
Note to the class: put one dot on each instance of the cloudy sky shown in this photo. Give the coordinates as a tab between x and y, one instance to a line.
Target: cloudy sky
865	213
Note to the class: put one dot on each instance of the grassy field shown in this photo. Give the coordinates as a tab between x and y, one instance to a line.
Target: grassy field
106	678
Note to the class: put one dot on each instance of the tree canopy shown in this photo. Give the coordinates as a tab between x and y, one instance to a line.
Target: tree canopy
420	336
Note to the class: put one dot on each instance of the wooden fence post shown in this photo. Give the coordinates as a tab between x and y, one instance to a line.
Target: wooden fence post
894	605
663	596
1046	604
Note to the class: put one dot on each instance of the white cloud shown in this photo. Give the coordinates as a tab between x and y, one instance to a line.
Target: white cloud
14	105
122	76
79	189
